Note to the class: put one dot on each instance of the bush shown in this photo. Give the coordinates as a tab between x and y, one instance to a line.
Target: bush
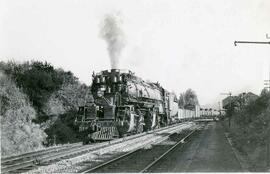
252	129
18	133
55	95
63	130
37	79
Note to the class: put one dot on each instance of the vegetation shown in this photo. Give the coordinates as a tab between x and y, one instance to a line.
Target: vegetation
63	130
18	132
250	130
38	80
188	99
53	96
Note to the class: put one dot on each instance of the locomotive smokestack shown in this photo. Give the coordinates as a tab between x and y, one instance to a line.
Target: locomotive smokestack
112	33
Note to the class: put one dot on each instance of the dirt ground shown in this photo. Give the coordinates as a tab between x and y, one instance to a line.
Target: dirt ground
210	151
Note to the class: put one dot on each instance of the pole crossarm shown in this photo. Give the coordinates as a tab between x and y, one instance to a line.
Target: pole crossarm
250	42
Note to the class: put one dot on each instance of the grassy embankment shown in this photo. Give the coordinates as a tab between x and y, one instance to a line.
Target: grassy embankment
250	132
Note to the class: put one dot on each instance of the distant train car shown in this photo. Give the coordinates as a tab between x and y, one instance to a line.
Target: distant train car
209	113
187	114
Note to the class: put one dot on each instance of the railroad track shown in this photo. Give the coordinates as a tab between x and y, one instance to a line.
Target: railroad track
16	162
33	160
77	163
9	159
141	159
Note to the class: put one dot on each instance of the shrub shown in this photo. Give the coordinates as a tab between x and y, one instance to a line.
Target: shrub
18	133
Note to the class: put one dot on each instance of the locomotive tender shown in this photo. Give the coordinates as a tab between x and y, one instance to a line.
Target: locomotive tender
125	104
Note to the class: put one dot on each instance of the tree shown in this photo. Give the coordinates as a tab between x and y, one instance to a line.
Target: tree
251	131
18	133
181	102
53	94
191	97
188	99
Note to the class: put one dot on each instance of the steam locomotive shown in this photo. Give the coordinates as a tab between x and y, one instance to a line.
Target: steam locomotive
125	104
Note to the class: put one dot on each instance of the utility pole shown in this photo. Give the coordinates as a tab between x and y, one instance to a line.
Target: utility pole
252	42
268	150
230	108
267	82
267	85
219	109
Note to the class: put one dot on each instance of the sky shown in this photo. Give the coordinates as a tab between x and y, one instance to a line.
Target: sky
179	43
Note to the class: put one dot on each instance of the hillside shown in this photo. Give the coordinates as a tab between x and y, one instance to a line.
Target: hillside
250	130
18	132
42	99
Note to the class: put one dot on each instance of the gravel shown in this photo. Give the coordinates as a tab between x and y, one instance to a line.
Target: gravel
75	164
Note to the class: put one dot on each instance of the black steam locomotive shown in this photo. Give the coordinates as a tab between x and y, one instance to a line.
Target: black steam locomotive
124	104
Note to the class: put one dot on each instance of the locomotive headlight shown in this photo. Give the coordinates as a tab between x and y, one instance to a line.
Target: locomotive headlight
99	93
102	88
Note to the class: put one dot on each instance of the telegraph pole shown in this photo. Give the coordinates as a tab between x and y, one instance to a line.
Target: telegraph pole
267	85
250	42
253	42
267	82
219	109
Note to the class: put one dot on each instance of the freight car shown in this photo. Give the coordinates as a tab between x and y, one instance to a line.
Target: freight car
209	113
189	114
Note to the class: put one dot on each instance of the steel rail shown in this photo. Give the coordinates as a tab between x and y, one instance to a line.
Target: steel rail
92	148
37	153
111	161
136	150
77	152
30	162
44	159
87	149
167	152
119	157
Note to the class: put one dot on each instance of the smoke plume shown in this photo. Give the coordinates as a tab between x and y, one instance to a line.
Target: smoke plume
111	31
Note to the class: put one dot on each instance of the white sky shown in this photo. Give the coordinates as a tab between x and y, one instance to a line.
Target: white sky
182	43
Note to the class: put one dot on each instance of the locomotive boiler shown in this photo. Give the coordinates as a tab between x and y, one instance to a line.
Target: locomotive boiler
125	104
